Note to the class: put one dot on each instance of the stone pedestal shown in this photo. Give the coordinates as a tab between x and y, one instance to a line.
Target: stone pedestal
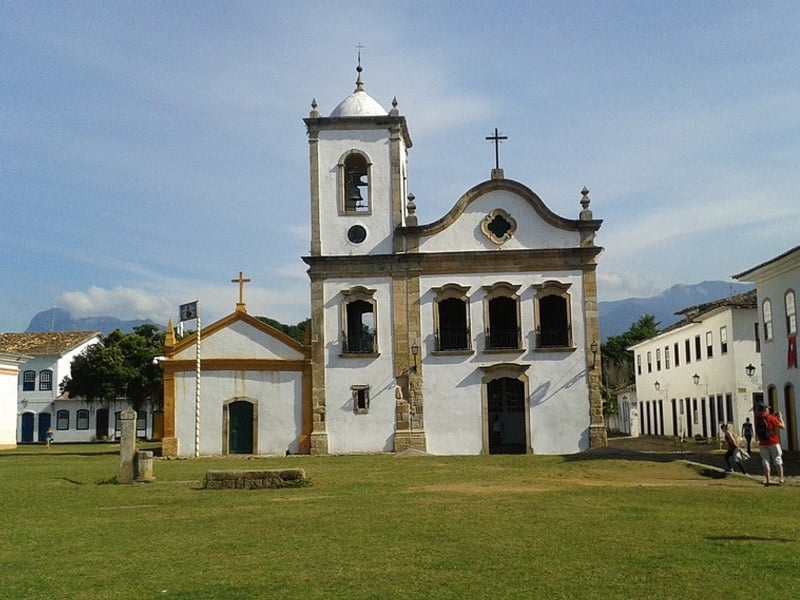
410	440
319	443
127	445
144	465
169	447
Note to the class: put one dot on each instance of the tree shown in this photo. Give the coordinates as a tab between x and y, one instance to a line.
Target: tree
296	332
121	366
618	360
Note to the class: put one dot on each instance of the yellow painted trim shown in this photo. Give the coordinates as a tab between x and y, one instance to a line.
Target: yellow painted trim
234	364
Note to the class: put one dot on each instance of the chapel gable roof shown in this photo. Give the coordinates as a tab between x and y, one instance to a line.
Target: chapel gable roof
54	343
230	321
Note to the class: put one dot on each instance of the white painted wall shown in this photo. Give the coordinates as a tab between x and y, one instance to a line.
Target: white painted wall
532	232
558	388
347	431
773	368
722	374
9	376
277	395
333	239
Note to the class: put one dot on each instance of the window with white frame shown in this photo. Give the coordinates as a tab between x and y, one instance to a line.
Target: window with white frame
649	361
638	364
676	346
791	313
687	346
723	339
62	420
29	381
82	419
658	359
698	354
45	380
666	357
709	345
766	316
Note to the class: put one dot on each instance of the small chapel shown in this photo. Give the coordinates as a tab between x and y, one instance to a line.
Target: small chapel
474	334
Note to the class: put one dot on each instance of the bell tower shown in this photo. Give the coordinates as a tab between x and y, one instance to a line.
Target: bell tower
358	158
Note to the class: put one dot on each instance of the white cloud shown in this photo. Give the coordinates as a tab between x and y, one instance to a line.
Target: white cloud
121	302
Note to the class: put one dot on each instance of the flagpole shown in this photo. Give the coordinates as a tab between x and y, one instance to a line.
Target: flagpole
197	396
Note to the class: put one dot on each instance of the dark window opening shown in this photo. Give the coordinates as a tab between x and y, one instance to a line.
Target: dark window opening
453	333
359	338
503	329
356	184
554	330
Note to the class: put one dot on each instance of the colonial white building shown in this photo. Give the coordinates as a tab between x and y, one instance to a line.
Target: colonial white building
424	336
38	405
476	333
693	375
254	394
777	283
9	378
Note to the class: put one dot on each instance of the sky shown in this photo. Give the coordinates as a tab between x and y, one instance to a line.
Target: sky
150	151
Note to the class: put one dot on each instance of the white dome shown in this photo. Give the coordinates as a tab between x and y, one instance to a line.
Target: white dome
359	104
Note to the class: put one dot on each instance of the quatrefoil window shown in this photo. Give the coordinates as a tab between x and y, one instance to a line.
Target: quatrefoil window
498	226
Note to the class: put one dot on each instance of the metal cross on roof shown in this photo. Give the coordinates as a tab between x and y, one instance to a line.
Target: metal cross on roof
496	138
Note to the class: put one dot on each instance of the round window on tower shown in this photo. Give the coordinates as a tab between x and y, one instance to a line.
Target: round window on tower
357	234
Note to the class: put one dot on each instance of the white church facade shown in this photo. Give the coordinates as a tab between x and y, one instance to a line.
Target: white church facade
475	334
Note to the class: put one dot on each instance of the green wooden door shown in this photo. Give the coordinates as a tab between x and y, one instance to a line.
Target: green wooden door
240	428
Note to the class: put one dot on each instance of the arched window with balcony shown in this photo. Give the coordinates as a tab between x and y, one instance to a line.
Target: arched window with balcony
502	318
359	323
451	318
553	315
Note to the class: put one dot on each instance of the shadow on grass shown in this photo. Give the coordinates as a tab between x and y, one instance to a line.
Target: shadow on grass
746	538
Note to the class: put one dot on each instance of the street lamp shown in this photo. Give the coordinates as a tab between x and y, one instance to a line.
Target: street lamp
696	379
593	347
750	370
414	352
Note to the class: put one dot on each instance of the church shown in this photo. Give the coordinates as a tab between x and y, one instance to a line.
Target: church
474	334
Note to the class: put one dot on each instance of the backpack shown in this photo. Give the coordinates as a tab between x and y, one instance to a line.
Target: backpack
762	430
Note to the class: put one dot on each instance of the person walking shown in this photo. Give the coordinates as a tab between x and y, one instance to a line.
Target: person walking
769	444
747	433
731	446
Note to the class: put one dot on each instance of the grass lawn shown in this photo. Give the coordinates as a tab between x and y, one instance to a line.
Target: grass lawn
392	527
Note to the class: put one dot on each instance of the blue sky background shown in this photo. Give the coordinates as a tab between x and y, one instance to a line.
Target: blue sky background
149	151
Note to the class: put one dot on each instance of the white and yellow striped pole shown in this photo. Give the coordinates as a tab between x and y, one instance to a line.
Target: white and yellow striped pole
197	396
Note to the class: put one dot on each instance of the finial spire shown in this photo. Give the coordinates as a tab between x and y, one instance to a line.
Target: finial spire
359	83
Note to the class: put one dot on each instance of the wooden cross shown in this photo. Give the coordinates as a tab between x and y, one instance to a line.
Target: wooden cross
241	281
496	138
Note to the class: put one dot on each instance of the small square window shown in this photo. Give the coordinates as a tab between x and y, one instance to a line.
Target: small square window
360	399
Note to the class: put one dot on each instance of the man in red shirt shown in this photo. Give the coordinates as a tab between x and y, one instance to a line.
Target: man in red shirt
769	443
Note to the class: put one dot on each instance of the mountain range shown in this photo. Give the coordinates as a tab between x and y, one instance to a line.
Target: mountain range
616	316
58	319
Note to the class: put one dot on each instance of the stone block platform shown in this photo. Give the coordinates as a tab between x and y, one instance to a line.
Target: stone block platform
253	479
